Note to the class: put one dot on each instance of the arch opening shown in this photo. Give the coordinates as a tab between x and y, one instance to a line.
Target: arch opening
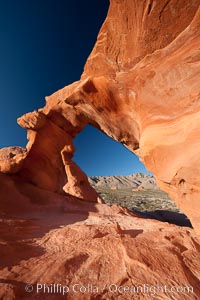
120	178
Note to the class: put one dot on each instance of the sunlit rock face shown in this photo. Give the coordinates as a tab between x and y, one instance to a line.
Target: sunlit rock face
140	86
143	74
47	238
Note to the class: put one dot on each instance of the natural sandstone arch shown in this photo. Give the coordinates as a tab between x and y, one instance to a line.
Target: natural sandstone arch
140	86
49	237
77	181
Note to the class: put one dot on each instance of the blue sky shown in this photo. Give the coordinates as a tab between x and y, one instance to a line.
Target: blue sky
44	46
98	154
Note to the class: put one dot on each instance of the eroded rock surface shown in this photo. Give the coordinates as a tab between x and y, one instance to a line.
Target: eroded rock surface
147	97
133	181
11	158
48	238
77	181
140	86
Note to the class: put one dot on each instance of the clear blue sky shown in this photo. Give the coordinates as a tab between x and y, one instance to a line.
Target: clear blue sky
98	154
44	45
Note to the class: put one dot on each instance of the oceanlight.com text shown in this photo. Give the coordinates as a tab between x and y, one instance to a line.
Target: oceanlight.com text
113	289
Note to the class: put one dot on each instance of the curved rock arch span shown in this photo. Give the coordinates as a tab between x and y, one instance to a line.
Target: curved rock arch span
140	86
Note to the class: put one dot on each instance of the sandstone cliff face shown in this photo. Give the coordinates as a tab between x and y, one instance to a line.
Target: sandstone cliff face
146	95
140	86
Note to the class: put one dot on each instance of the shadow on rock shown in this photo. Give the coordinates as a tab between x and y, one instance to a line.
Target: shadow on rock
28	213
167	216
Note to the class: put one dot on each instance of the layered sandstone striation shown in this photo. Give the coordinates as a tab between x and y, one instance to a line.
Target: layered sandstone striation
140	86
146	95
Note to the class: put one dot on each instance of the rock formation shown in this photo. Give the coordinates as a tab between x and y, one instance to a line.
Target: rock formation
134	181
144	71
140	86
77	181
48	238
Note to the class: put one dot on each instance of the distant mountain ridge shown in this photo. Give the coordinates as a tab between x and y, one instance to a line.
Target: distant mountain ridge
134	181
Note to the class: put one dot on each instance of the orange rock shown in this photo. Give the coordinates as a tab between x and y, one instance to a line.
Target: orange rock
48	238
77	181
146	95
11	159
114	188
140	86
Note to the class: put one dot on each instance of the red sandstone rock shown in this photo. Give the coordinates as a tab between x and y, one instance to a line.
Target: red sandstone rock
49	239
146	95
77	181
141	87
11	159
